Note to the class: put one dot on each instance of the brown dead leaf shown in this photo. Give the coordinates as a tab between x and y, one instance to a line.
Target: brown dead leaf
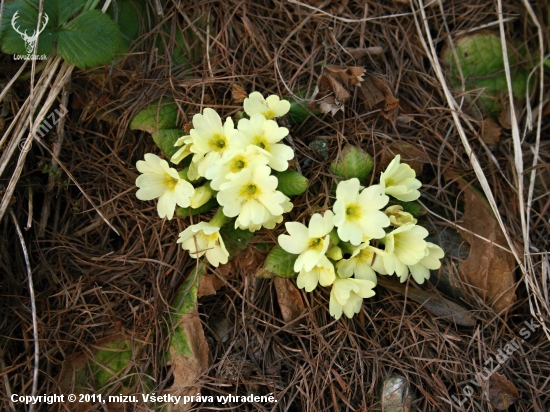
329	95
209	285
289	298
501	392
371	94
348	75
188	369
488	269
490	131
390	102
187	127
435	303
378	96
238	93
359	53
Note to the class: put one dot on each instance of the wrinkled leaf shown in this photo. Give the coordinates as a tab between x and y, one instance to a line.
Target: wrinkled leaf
354	162
188	350
165	140
291	183
290	299
278	263
112	362
488	269
482	64
236	240
490	131
90	40
438	305
158	116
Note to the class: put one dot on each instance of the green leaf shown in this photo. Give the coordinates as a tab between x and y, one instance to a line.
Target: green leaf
482	64
165	140
128	17
158	116
291	183
92	39
111	360
186	296
354	162
299	112
236	240
26	22
187	211
278	263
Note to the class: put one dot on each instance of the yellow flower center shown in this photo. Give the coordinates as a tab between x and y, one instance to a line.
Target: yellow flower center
250	191
218	143
269	114
261	142
316	243
170	182
237	164
353	212
390	182
366	256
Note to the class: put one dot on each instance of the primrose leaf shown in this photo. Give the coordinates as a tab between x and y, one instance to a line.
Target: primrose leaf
236	240
165	140
154	118
482	64
354	162
92	39
292	183
278	263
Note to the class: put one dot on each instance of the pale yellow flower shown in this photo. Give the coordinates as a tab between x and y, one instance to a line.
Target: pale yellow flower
404	246
251	195
272	221
185	142
162	181
347	296
270	108
357	215
311	243
204	238
399	180
364	262
210	139
398	217
321	274
202	195
266	134
235	161
431	260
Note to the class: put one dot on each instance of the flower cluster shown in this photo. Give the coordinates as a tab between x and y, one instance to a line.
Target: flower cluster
363	236
237	161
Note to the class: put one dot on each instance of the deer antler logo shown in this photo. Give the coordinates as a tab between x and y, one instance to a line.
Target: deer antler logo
29	40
